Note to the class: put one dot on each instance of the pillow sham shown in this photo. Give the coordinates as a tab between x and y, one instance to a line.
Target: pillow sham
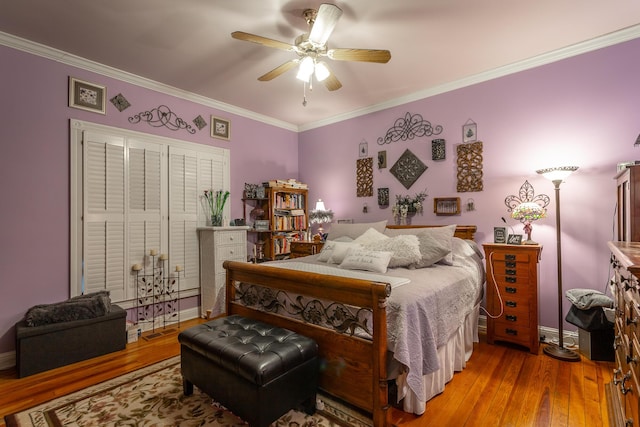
405	249
354	230
363	259
443	234
432	250
370	236
334	252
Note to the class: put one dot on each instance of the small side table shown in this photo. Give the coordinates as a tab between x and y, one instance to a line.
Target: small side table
303	248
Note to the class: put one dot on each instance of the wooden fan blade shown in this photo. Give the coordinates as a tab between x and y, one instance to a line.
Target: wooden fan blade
365	55
332	83
278	70
325	22
240	35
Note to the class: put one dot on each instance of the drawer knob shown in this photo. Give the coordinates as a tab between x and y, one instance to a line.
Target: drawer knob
632	321
511	332
511	304
510	264
510	279
511	290
510	257
623	388
616	372
511	318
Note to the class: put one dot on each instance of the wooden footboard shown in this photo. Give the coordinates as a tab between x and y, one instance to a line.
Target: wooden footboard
354	368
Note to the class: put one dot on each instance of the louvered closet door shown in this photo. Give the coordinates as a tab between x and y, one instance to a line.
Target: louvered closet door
183	215
104	214
146	206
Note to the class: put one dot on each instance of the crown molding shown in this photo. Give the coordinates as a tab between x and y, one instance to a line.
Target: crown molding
629	33
53	54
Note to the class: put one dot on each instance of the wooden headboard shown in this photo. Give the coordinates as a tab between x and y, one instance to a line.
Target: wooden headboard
467	232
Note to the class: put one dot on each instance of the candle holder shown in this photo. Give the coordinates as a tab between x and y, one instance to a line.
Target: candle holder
157	293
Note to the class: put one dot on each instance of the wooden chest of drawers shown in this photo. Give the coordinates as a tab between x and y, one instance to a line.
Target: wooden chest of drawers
512	294
623	393
305	248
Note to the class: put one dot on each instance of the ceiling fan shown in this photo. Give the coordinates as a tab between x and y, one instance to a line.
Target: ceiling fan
312	47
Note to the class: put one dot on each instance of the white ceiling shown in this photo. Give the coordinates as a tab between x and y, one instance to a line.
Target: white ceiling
186	44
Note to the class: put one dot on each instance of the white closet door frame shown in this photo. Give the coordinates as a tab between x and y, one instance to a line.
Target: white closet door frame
135	142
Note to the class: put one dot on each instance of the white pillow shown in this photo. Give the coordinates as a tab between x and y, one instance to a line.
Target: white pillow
362	259
405	249
443	234
371	236
334	252
354	230
432	250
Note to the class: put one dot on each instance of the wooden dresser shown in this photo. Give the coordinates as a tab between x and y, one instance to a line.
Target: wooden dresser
218	244
623	397
302	248
512	271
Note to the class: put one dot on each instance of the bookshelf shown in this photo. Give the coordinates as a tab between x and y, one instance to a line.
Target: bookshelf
284	210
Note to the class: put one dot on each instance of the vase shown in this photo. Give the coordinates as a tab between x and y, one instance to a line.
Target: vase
216	220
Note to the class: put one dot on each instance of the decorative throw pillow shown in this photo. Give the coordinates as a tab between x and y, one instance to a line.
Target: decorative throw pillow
444	234
371	236
405	249
362	259
432	250
354	230
334	252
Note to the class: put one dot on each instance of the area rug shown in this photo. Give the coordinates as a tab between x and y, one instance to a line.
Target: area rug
153	396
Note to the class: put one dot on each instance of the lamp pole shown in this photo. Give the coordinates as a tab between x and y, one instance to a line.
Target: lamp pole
556	175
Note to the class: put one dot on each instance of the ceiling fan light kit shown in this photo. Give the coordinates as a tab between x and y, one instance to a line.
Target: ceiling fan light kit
312	46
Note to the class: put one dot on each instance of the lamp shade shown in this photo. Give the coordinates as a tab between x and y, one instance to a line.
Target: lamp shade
320	205
528	211
558	173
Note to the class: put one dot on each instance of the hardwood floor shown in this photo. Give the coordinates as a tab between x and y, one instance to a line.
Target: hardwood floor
500	386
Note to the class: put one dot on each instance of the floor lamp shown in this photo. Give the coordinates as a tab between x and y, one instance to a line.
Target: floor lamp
557	175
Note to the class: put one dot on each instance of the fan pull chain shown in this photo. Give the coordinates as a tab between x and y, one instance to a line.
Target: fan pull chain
304	94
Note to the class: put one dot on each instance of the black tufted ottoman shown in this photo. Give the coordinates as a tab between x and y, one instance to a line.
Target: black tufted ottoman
258	371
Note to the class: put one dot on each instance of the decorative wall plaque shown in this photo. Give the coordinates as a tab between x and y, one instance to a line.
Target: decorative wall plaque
120	102
408	169
437	149
382	159
365	177
363	149
199	122
383	197
470	167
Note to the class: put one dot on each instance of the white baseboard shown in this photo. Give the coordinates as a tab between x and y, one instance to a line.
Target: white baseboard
8	359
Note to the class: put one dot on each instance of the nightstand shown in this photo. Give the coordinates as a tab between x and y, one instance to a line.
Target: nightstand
302	248
512	270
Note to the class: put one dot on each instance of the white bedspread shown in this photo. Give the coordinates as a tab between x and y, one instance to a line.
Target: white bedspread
426	311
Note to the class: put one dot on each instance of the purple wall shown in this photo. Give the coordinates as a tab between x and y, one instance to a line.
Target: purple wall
34	170
581	111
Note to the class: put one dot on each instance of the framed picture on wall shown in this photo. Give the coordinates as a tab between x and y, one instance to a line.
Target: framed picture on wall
220	128
87	96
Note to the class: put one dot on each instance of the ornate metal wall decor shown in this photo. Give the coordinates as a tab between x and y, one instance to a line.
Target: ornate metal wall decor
470	167
364	171
120	102
199	122
526	195
383	197
408	169
437	149
162	116
409	127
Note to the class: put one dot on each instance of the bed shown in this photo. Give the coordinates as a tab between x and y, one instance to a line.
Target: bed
412	325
